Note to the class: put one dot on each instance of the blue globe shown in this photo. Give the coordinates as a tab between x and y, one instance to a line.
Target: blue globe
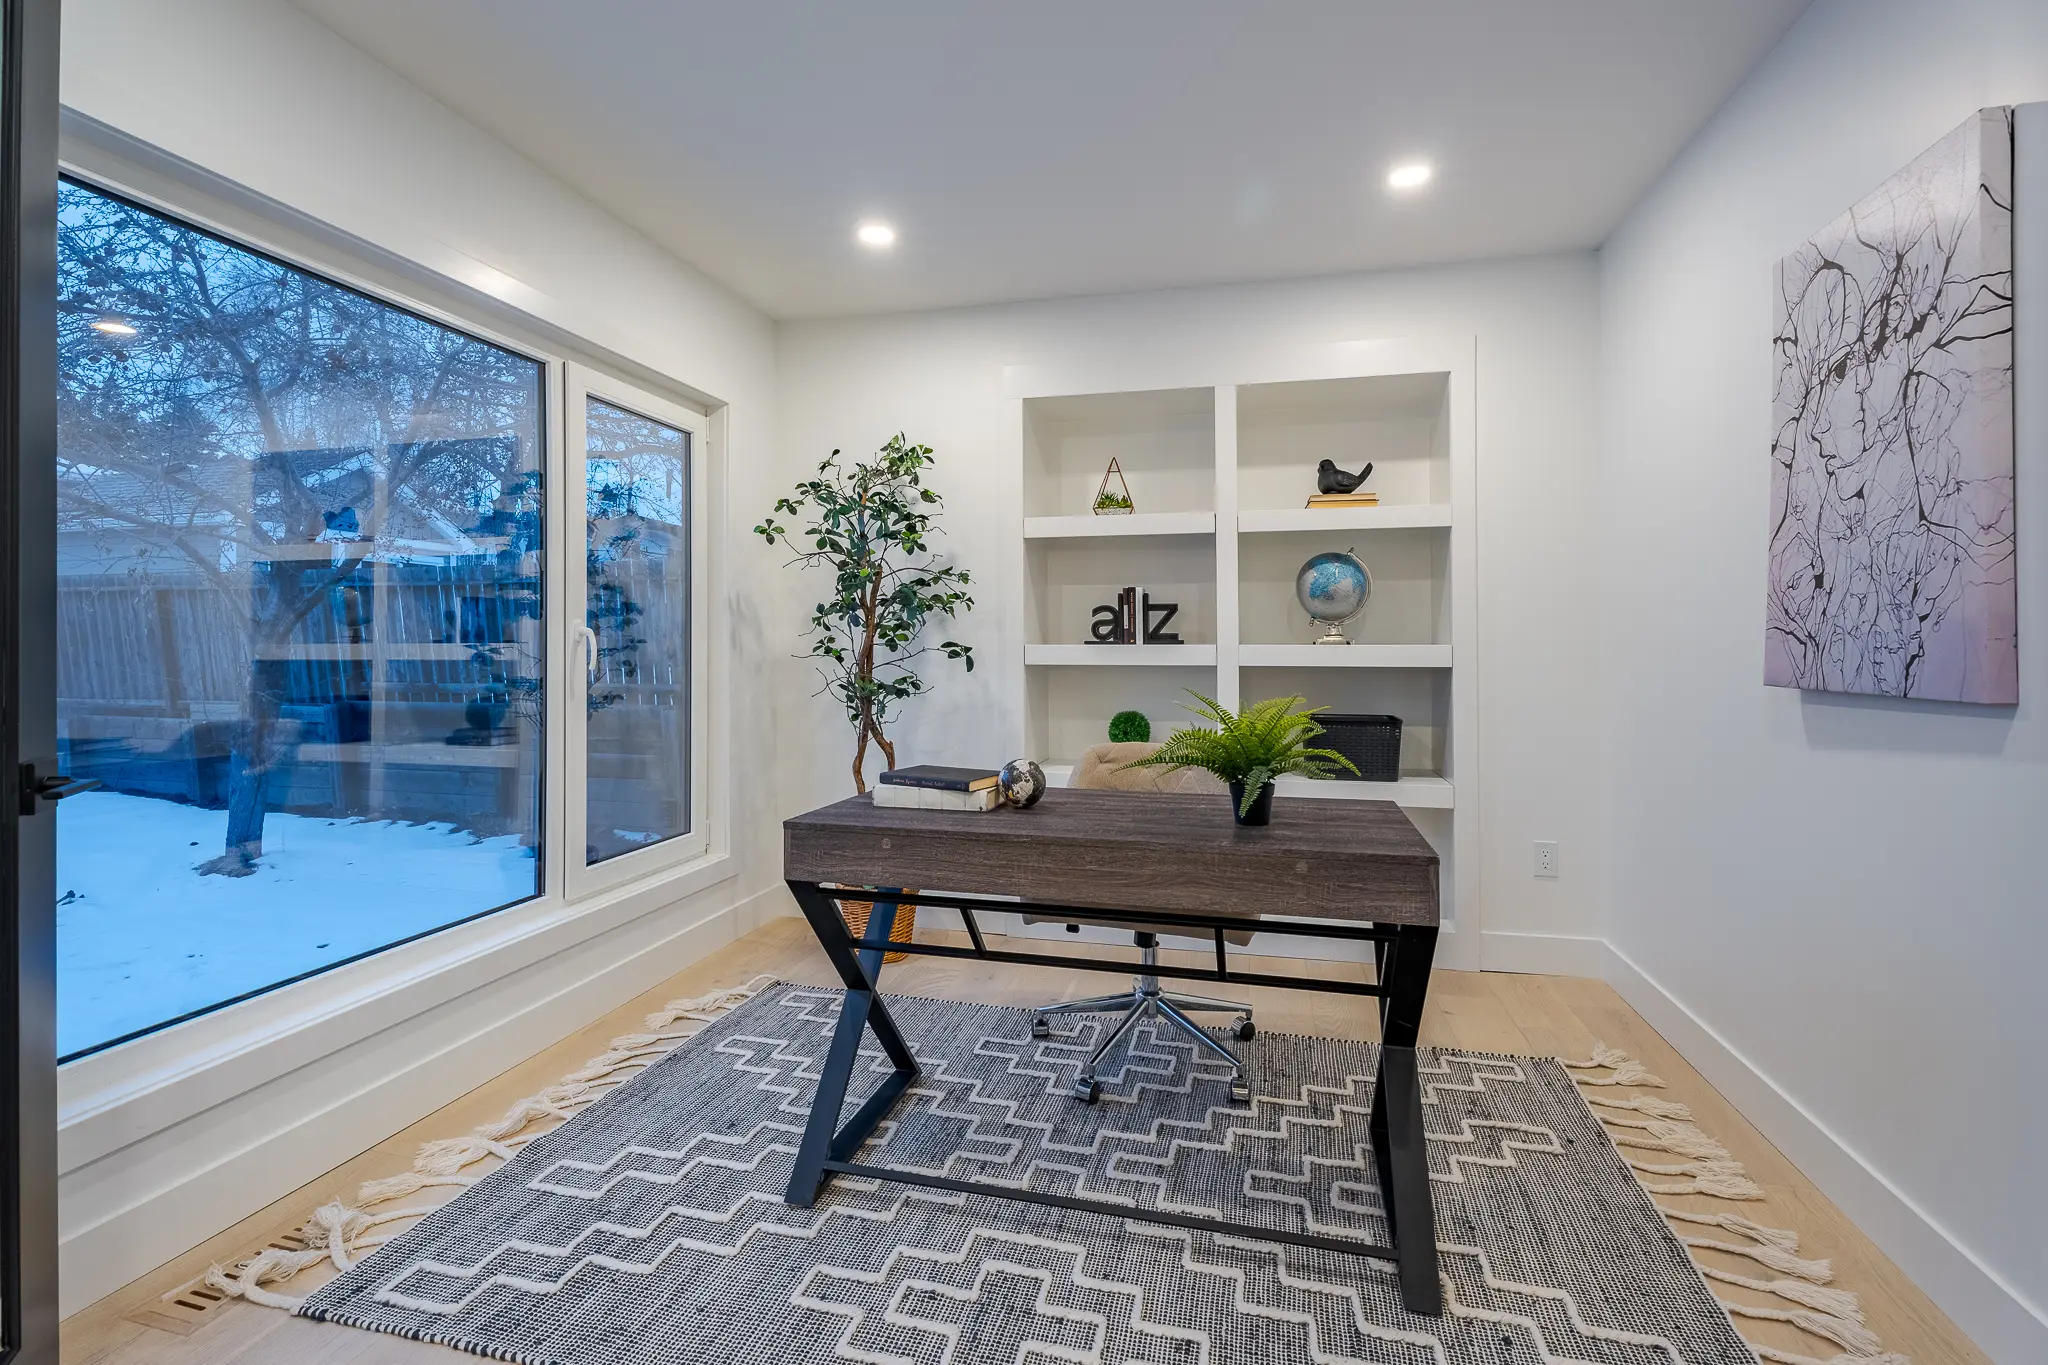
1332	588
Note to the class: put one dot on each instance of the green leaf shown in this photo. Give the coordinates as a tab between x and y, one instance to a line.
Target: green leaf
1268	739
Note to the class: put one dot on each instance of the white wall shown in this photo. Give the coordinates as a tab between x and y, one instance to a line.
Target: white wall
1849	897
940	377
257	94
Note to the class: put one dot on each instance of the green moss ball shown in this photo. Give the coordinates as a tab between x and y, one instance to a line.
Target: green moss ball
1129	727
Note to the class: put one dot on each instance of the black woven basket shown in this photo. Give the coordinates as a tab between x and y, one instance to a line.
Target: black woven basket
1372	742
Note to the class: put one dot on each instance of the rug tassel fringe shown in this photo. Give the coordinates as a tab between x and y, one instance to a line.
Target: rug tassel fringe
1784	1262
1680	1139
1720	1179
340	1233
1833	1314
1627	1070
1839	1303
1859	1341
406	1182
1777	1357
1784	1239
1712	1187
1647	1105
272	1265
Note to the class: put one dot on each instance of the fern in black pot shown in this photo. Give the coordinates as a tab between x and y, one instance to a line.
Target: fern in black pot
1248	749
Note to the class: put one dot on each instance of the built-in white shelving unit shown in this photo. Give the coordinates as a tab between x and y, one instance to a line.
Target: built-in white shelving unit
1320	519
1090	526
1219	469
1121	656
1344	656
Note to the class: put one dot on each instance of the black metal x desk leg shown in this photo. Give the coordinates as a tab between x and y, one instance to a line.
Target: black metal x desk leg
862	1009
1396	1122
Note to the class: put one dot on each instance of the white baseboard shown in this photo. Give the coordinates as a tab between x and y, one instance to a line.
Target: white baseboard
1993	1312
208	1172
1542	954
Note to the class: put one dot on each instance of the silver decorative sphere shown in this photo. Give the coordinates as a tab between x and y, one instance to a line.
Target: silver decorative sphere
1333	588
1021	782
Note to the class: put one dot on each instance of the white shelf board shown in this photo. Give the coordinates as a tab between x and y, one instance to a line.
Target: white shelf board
1123	656
1417	791
1136	524
1344	656
1386	518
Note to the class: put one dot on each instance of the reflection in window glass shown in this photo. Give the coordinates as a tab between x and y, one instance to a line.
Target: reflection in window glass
637	557
299	643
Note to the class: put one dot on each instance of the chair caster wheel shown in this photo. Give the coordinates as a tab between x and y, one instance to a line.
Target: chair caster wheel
1087	1090
1040	1028
1244	1030
1240	1093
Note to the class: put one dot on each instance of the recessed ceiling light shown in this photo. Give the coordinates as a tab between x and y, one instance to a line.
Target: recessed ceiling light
875	235
1412	175
113	327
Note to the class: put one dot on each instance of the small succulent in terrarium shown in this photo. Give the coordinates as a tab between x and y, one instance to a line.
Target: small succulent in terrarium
1113	502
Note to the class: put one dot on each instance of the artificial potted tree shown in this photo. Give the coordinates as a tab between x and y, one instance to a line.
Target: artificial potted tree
870	523
1248	749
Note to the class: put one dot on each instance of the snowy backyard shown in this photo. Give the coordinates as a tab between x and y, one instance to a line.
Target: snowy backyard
143	937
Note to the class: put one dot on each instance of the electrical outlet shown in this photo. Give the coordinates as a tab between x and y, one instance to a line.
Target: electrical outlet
1546	858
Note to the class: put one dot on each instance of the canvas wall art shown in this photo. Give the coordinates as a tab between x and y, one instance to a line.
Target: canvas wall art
1891	534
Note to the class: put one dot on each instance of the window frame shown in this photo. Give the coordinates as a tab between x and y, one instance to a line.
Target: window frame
581	384
110	1094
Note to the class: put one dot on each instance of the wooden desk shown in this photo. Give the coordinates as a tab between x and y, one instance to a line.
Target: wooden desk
1151	859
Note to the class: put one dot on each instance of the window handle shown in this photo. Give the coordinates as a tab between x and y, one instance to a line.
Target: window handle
586	639
49	786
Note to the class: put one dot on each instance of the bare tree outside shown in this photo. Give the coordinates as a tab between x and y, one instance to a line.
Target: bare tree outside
334	506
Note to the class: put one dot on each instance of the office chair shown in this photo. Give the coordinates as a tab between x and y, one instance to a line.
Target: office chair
1101	768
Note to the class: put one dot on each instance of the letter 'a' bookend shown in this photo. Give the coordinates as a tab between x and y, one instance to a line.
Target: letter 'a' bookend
1132	619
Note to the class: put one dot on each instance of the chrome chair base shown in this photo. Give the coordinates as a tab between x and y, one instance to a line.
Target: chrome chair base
1145	1000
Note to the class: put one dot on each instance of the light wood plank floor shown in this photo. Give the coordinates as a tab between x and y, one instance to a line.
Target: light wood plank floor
1547	1015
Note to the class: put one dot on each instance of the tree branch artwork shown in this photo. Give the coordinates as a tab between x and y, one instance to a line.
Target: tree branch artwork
1891	550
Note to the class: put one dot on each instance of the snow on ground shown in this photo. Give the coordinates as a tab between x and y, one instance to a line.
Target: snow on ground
142	937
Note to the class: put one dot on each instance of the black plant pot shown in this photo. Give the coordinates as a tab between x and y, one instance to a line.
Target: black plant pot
486	712
1261	812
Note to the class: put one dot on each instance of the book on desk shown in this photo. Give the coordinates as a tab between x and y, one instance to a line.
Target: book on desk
929	786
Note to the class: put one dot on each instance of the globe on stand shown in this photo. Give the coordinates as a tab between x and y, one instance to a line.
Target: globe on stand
1333	589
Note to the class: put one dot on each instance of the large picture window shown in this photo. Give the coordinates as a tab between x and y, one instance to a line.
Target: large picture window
300	634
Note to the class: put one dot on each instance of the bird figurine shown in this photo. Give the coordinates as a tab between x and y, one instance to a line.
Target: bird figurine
1330	479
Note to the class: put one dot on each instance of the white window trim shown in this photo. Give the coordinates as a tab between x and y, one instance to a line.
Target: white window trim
119	1095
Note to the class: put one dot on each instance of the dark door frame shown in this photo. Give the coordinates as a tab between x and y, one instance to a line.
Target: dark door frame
28	683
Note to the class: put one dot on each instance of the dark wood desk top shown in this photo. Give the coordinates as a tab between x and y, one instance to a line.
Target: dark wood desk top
1357	860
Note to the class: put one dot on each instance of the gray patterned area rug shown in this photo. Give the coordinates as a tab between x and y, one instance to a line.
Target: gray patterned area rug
650	1229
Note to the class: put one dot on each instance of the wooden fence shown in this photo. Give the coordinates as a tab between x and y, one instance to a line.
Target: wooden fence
390	665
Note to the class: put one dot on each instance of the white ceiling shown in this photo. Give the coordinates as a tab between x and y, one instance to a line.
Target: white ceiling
1040	148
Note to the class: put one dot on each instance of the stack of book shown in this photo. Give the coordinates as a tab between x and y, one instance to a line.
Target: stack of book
930	787
1343	500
